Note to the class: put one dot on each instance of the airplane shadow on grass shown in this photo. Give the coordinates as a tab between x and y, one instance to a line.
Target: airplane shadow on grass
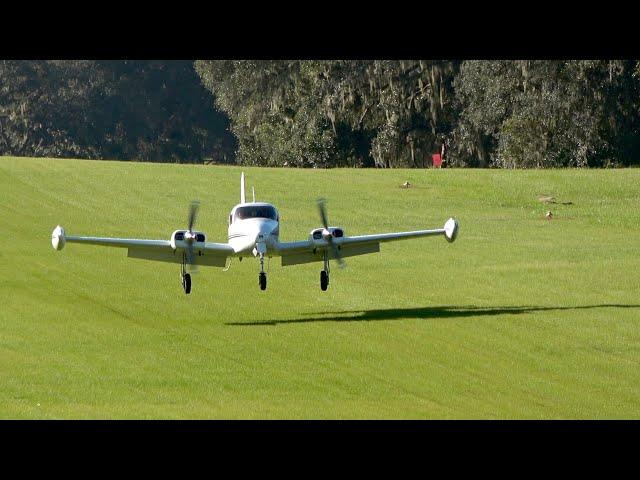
422	313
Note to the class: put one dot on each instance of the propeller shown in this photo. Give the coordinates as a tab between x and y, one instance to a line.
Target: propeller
326	234
190	237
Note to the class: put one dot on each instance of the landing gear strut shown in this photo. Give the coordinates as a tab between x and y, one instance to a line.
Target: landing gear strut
263	276
186	278
324	274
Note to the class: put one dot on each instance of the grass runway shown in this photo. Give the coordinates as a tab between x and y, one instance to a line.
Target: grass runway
522	317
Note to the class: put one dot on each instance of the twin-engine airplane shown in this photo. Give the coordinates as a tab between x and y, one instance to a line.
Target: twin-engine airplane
253	230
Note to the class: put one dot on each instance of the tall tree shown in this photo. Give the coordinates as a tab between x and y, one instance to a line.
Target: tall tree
327	113
140	110
546	113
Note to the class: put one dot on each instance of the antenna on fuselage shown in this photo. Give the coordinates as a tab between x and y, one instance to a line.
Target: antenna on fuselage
253	190
242	188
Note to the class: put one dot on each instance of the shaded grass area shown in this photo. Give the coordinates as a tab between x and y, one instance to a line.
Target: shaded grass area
425	312
520	318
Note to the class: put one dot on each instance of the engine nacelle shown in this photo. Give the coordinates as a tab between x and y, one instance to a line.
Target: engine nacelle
177	238
317	233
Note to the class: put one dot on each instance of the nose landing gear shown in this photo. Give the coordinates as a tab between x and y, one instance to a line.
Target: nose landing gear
262	279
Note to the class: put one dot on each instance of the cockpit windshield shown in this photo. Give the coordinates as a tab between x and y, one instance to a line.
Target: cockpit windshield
256	211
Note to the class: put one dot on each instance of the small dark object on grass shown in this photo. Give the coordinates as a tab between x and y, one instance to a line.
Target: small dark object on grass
549	215
406	185
550	199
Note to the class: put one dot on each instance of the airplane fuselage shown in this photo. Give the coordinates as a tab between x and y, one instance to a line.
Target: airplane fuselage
254	228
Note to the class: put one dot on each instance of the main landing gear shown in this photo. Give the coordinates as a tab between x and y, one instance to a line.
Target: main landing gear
186	283
324	274
186	277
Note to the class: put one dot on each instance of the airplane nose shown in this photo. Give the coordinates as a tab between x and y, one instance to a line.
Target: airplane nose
264	231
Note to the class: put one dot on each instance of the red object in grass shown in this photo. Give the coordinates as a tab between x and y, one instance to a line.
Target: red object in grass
437	160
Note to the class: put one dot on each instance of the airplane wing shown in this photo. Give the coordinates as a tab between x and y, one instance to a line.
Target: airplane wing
307	251
207	253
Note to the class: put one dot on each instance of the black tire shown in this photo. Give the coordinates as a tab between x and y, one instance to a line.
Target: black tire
324	280
263	281
186	283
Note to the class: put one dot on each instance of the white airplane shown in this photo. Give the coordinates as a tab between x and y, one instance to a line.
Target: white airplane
253	230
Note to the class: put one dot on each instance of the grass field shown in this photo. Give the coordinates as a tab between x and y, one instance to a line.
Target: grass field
519	318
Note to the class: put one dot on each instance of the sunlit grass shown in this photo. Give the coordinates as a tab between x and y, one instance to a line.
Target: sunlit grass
520	318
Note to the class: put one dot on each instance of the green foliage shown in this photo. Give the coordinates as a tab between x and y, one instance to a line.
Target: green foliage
334	113
274	124
511	114
326	113
547	113
144	110
29	116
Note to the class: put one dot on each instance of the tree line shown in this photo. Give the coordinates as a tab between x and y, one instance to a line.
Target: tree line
124	110
320	113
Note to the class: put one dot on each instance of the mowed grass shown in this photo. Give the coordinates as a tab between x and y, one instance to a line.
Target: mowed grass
520	318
